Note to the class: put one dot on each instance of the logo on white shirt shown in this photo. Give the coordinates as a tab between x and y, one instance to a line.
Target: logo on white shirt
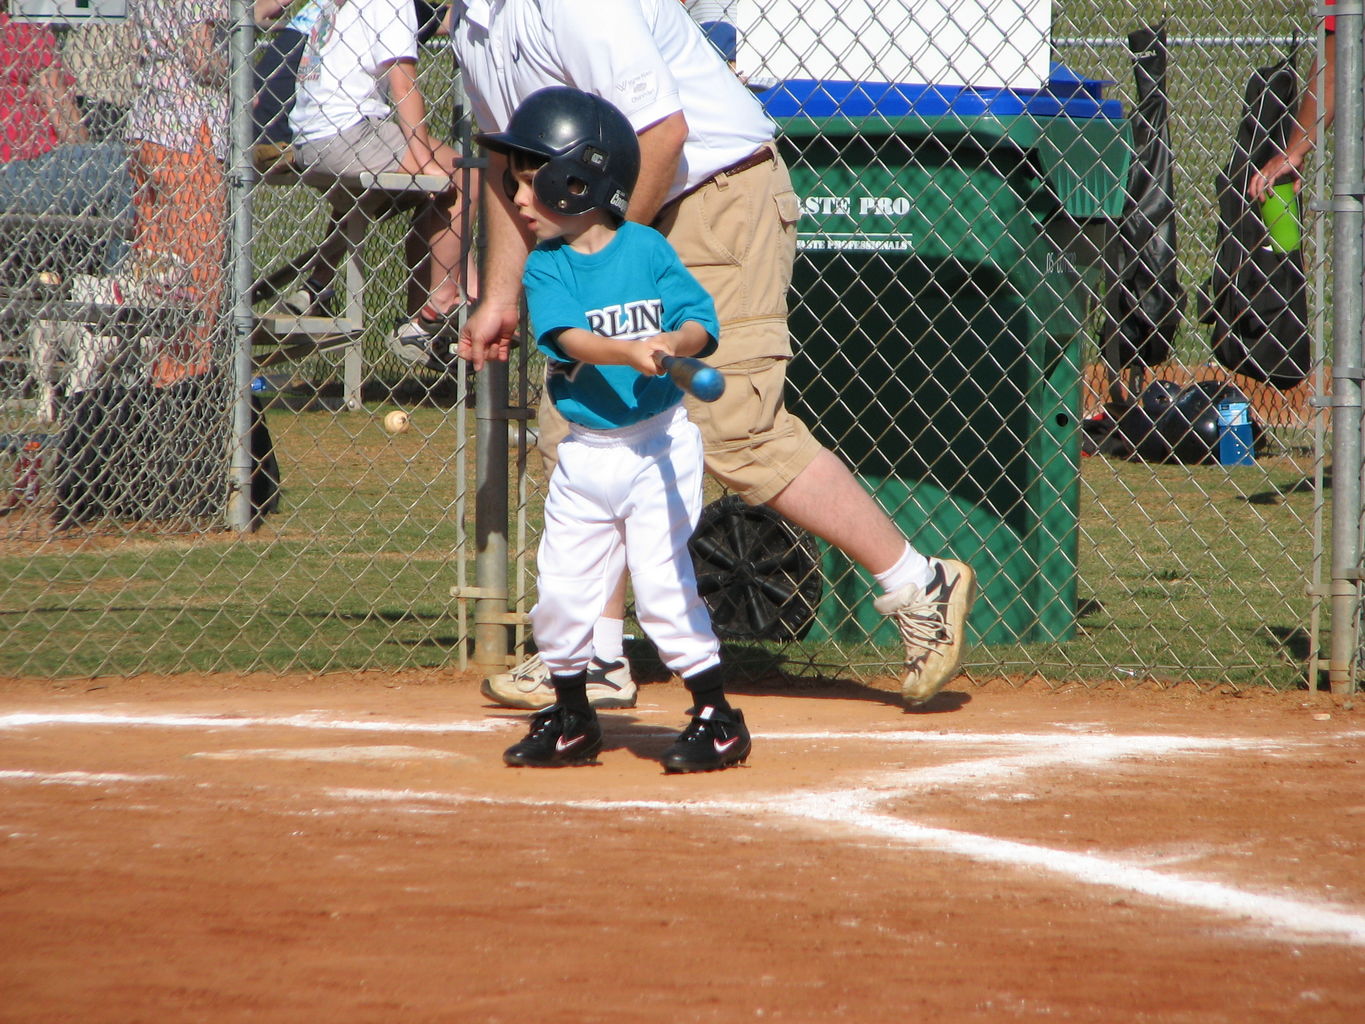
636	91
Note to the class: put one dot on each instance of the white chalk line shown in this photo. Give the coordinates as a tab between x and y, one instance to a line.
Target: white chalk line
319	720
848	808
1061	753
75	778
312	720
351	754
1277	916
1275	913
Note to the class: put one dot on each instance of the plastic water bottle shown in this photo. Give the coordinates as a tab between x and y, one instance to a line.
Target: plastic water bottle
1280	211
1235	446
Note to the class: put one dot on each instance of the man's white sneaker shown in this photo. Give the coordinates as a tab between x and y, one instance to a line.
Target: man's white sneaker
610	685
933	623
528	686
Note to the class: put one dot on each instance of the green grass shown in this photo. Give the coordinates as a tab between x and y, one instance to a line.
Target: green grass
354	571
1184	573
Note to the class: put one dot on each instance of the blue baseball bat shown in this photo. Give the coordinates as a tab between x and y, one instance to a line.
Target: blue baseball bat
692	375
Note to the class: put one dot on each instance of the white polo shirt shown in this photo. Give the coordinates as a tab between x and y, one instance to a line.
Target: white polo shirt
646	56
349	44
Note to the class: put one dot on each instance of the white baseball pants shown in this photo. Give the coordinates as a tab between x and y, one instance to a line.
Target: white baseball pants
628	496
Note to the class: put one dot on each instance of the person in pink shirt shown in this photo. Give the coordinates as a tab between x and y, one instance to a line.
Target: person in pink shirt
48	164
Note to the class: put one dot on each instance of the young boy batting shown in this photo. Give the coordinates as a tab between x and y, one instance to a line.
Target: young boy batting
610	302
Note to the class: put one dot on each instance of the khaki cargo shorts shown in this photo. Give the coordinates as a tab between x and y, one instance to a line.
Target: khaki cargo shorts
737	234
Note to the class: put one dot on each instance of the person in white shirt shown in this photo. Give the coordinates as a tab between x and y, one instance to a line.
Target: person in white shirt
712	182
359	108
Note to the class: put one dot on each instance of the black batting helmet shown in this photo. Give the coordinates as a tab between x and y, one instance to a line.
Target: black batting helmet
591	154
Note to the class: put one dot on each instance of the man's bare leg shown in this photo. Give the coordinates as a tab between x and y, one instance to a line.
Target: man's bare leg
928	599
827	500
439	227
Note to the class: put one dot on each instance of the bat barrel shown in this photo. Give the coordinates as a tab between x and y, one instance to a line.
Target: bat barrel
696	378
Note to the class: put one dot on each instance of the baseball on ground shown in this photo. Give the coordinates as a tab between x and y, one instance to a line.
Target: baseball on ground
396	422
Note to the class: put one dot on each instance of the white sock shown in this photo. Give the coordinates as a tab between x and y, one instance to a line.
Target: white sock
912	567
609	639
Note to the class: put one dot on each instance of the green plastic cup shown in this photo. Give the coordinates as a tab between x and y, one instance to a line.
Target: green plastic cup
1280	211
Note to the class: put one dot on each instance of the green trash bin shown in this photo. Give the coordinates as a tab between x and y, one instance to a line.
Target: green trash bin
938	325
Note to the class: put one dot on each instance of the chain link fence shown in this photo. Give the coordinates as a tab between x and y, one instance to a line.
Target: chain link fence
1011	311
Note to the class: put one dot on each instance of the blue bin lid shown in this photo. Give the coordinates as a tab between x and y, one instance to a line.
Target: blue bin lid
1065	95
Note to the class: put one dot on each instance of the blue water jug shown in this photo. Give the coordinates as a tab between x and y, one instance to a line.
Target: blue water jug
1235	444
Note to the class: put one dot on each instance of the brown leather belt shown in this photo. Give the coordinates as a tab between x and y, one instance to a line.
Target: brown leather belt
757	158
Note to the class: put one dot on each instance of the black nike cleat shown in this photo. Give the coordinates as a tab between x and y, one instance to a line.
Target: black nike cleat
714	739
559	738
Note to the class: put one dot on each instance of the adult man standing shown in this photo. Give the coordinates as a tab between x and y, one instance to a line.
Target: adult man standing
711	180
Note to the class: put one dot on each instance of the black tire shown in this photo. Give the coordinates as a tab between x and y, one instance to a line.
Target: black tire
758	574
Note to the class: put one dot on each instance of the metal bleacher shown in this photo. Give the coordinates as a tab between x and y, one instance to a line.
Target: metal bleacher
356	202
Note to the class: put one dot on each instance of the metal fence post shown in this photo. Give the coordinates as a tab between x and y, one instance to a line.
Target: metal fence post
1348	362
240	179
490	516
491	503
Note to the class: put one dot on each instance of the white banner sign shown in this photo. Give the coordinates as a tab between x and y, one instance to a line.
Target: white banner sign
1000	44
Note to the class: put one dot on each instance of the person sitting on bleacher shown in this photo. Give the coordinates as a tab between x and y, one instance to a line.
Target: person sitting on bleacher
359	108
48	165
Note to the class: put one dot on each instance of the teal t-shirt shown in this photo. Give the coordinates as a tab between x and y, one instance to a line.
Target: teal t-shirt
633	288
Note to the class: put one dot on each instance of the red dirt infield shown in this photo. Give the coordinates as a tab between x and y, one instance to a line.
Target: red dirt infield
350	848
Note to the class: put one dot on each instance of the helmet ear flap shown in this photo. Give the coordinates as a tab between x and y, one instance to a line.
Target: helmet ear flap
558	187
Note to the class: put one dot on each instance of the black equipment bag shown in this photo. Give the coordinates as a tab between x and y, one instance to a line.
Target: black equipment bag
1256	299
1144	301
147	454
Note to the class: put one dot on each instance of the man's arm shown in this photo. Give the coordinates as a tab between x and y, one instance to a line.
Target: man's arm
60	105
410	111
490	328
268	12
1303	133
205	56
661	146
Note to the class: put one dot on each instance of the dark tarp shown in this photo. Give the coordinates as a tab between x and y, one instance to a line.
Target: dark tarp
1256	299
148	454
1144	301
